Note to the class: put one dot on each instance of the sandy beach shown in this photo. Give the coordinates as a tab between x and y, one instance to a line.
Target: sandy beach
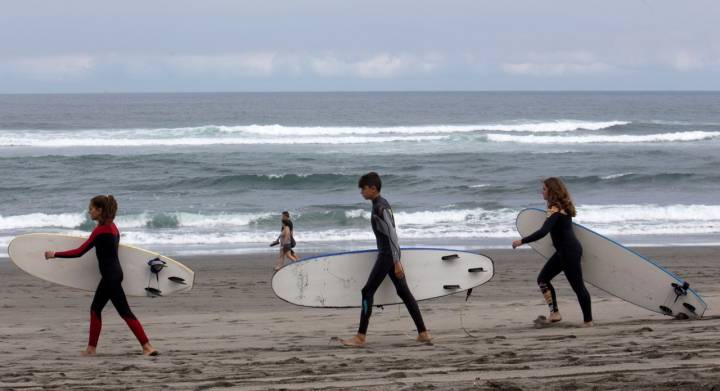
231	332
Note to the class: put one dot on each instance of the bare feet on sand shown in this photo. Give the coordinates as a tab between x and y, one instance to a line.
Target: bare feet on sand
357	341
149	350
89	351
424	337
555	317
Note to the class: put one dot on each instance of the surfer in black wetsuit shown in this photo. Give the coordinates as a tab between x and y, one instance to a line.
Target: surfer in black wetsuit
105	238
568	250
387	263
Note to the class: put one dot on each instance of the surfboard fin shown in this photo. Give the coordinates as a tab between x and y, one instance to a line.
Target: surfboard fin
451	257
476	269
666	310
178	280
469	292
153	291
680	290
689	307
451	286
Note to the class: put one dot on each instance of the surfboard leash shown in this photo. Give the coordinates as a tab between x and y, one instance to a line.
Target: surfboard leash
462	311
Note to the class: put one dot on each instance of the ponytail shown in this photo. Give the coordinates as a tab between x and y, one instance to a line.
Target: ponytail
108	205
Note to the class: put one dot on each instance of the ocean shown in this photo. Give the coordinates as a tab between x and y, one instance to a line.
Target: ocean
211	172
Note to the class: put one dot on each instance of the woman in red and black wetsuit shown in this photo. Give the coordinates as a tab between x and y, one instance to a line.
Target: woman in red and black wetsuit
106	239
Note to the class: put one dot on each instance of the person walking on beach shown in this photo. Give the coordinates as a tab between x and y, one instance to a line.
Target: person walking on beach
386	264
568	250
105	238
286	241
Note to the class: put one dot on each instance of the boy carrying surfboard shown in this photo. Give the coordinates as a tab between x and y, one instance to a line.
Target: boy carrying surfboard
387	263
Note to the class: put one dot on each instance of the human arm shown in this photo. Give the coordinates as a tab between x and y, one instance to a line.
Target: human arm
74	253
547	226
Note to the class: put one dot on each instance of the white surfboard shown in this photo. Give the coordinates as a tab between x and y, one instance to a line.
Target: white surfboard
335	280
620	271
27	252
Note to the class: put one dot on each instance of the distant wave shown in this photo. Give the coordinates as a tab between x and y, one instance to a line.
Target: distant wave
605	139
280	180
633	178
94	141
275	134
540	127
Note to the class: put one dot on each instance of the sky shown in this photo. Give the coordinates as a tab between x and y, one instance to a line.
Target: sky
76	46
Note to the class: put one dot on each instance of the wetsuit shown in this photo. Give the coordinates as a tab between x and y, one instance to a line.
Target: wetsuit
383	226
568	252
106	239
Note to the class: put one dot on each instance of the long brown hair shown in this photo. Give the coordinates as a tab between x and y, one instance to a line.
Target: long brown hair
108	205
559	196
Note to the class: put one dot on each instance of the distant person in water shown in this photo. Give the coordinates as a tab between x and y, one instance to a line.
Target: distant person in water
286	240
568	250
105	238
387	263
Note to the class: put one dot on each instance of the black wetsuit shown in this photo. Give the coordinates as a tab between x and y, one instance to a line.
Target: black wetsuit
383	225
568	253
106	239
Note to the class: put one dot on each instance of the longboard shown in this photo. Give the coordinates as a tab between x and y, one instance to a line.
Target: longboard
621	271
335	280
27	252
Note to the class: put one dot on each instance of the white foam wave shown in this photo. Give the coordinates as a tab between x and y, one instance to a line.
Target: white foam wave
143	220
551	126
95	141
671	221
662	214
615	176
39	220
605	139
273	134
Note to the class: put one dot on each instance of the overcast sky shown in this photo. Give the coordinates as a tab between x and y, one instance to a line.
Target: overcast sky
347	45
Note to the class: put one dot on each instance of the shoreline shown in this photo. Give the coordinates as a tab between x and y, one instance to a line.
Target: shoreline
231	331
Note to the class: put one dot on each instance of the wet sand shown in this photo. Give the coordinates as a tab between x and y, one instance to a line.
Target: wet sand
231	332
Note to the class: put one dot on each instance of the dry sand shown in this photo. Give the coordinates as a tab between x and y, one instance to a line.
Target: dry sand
231	332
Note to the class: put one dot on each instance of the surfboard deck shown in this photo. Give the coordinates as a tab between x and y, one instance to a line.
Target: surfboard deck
27	252
621	271
335	280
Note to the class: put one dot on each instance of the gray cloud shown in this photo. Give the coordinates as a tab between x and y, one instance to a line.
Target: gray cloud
211	45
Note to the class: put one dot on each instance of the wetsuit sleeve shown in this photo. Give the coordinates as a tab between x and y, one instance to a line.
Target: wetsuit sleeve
544	230
387	227
80	251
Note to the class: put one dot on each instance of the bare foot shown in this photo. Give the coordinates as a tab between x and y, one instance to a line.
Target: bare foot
555	317
357	341
588	324
149	350
276	268
89	351
424	337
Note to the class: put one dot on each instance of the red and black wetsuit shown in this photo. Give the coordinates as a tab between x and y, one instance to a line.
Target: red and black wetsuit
106	239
